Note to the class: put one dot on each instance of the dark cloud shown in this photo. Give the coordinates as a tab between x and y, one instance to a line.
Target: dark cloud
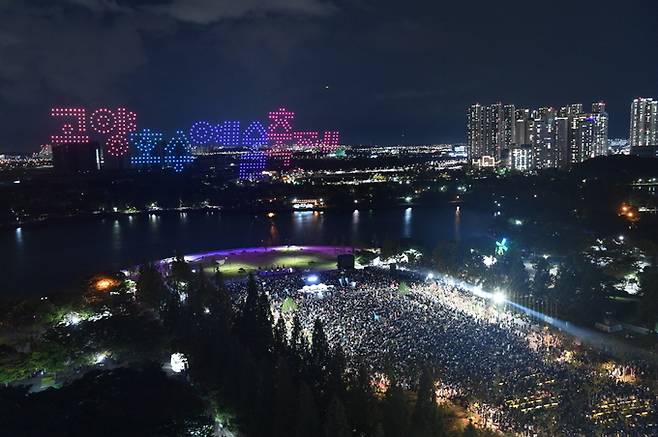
57	50
211	11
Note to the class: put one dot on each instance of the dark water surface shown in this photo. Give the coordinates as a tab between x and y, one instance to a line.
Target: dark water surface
55	257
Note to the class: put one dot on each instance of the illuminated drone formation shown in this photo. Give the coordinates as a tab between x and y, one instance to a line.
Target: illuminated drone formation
228	134
280	133
145	143
178	152
255	135
202	133
119	130
254	161
330	142
252	164
113	125
71	132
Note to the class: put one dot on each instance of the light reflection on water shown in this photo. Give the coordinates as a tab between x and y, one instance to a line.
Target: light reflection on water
63	253
406	230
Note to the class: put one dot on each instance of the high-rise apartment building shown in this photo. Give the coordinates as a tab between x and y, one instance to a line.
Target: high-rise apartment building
509	126
493	134
475	131
520	157
562	140
545	151
490	129
598	107
570	110
644	123
556	137
521	134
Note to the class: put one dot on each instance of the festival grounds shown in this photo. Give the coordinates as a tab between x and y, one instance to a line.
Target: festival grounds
240	262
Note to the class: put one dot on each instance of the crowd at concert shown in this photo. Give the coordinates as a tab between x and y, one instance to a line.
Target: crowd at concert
509	372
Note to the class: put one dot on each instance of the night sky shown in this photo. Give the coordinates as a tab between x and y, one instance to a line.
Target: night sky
379	71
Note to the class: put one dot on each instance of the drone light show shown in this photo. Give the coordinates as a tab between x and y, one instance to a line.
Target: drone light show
112	126
117	130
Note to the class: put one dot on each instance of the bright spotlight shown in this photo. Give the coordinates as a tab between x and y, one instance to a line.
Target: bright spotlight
430	276
312	279
489	260
178	362
499	297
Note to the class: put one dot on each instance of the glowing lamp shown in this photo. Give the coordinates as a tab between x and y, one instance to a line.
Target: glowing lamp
104	284
178	362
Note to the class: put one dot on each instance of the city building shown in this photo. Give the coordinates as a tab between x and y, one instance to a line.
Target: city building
490	130
521	133
619	146
77	157
558	138
520	157
475	132
644	124
570	110
509	126
562	140
544	146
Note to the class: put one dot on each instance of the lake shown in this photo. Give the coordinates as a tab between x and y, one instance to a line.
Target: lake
54	257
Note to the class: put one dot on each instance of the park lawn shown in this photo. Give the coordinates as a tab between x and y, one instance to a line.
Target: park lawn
250	262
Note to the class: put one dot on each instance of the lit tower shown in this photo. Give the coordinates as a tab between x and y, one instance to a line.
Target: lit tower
644	123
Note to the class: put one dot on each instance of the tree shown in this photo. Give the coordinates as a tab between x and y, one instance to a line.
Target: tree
308	423
289	305
280	336
285	399
200	293
649	302
264	320
220	304
319	345
542	279
219	280
299	348
254	325
150	286
517	276
180	269
362	407
403	288
335	423
470	430
395	410
335	373
425	420
445	257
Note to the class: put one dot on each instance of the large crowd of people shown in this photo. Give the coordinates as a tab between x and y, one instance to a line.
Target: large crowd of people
509	372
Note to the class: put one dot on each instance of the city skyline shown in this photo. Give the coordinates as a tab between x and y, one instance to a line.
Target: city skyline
380	74
503	135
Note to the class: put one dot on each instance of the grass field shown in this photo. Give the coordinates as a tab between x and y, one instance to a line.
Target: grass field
240	263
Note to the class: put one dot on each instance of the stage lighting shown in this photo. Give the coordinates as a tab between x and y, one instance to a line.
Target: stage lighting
499	297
